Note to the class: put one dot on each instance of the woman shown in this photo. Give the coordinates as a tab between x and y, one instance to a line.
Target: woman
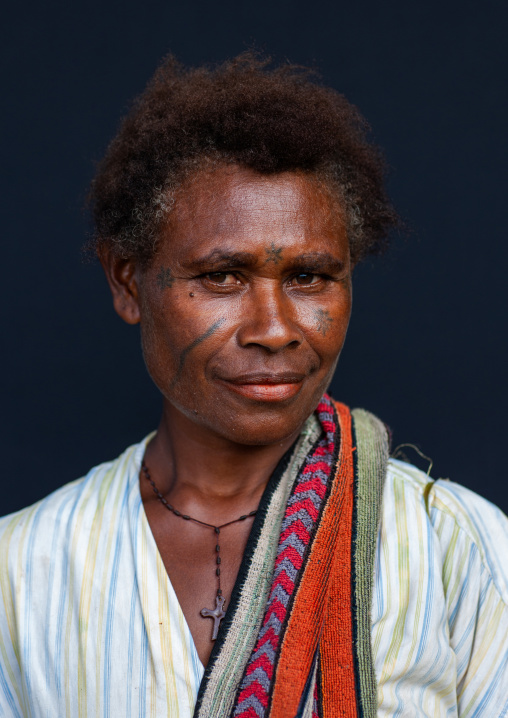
259	555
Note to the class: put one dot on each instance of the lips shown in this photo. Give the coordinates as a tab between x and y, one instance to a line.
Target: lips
266	387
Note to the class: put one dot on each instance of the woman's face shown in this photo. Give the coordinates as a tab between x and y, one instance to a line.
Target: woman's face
246	305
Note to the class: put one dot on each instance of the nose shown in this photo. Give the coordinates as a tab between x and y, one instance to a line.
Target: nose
268	319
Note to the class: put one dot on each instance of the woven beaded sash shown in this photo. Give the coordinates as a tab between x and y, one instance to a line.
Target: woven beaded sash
296	637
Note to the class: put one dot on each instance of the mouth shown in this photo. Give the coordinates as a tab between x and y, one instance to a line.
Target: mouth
266	387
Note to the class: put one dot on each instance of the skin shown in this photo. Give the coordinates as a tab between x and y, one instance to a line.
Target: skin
243	312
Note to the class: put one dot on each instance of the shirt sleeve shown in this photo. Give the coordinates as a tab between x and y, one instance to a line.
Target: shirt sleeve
440	608
473	535
12	697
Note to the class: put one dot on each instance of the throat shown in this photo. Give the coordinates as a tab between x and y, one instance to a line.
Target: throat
201	469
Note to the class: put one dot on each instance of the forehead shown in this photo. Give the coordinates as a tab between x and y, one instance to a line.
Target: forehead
241	207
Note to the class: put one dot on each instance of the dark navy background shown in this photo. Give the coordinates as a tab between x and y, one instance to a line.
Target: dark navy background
427	344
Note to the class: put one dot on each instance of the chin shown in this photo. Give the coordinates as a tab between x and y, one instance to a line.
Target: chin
261	436
262	428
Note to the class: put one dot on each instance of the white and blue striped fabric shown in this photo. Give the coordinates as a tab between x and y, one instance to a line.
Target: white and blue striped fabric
440	605
90	624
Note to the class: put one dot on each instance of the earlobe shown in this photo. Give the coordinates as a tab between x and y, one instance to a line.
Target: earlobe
123	282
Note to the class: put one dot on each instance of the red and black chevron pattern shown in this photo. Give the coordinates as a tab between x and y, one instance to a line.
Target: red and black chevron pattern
297	531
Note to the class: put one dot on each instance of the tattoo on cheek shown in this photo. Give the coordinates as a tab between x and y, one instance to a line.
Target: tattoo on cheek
185	353
324	320
164	278
274	254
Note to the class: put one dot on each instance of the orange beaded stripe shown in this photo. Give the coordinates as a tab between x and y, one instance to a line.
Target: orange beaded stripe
322	610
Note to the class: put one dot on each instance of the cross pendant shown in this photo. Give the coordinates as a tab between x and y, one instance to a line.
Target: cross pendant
217	614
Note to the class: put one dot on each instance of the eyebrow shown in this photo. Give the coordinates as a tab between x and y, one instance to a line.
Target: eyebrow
226	259
317	262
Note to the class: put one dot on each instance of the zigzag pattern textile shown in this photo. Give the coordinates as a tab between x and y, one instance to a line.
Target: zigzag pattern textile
298	527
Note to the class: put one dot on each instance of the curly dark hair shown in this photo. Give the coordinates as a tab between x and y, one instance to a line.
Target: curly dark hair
245	112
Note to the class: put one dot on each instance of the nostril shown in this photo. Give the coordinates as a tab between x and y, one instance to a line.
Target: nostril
273	336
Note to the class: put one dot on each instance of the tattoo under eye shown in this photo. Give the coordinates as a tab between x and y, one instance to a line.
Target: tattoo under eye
274	254
164	278
324	320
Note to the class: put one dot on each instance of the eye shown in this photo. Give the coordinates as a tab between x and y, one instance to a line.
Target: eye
306	279
222	278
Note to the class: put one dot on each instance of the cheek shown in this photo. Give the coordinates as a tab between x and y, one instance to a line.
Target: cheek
159	356
177	342
325	325
161	342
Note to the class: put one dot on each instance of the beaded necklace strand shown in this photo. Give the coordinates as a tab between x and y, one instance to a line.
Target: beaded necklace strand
218	612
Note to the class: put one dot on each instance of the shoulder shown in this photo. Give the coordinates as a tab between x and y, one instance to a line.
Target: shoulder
49	553
440	609
460	519
38	530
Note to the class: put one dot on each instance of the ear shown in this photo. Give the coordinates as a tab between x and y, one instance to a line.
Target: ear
122	276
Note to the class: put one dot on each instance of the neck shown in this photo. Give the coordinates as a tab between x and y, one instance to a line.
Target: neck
206	475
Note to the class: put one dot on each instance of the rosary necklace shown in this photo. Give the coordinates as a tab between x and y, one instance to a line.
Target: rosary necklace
218	612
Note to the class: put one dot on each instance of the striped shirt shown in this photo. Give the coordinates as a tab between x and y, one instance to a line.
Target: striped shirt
91	626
